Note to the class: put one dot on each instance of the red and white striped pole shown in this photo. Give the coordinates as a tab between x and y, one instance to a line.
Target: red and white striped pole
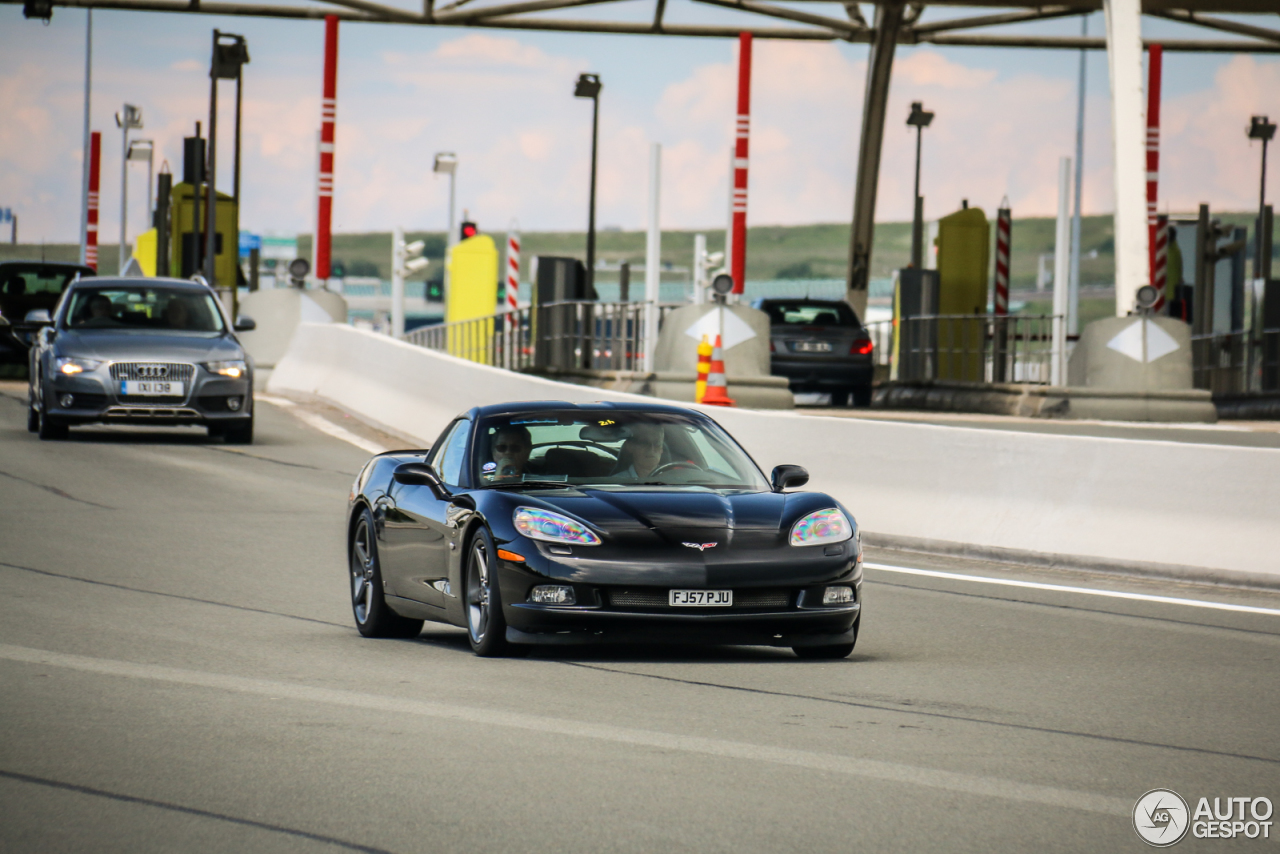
1004	229
1155	57
328	113
95	174
1160	265
738	263
513	271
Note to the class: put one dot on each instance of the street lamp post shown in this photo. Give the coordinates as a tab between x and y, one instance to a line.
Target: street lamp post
588	86
919	119
144	149
446	163
130	118
230	52
1261	128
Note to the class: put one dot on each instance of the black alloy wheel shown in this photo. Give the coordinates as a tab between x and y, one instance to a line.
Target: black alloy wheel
486	627
374	618
829	653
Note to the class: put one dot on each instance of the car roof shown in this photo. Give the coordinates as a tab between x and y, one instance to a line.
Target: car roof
140	282
800	301
27	264
521	406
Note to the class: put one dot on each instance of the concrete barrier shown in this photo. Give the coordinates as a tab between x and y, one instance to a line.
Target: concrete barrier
1206	512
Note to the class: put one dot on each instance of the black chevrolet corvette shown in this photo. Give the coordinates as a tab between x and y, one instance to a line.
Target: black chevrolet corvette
555	523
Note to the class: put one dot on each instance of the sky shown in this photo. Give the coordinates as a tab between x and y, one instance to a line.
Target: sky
503	101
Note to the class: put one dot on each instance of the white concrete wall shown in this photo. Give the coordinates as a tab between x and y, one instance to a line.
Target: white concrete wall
1124	501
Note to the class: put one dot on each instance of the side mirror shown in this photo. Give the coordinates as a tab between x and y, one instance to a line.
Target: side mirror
38	315
418	474
787	477
245	323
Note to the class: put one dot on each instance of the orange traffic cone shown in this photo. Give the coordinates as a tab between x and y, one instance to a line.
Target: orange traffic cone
704	368
717	393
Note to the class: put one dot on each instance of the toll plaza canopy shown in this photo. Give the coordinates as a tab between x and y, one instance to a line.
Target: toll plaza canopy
895	22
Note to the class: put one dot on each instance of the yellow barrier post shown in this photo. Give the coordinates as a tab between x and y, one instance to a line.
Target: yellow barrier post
704	367
473	293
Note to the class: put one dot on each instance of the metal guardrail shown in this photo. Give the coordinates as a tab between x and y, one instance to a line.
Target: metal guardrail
969	348
1236	363
561	335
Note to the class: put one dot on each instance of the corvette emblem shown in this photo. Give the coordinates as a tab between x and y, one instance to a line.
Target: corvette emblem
701	546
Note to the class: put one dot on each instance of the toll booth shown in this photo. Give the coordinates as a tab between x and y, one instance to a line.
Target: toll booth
964	254
558	283
187	246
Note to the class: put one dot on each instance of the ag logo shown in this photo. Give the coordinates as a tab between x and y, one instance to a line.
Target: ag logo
1161	817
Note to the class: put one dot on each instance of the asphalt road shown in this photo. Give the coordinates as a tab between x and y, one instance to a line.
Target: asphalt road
179	672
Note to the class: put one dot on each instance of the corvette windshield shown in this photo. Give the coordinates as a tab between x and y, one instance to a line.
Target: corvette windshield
610	449
160	309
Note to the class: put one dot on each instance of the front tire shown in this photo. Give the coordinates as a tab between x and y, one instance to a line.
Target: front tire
374	618
486	627
51	428
240	434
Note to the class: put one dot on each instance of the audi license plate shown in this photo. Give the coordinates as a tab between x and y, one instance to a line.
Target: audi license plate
813	347
152	388
701	598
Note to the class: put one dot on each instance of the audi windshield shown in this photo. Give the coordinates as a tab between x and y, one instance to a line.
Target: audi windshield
154	309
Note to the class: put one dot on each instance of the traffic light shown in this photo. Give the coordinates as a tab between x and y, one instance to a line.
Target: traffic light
42	9
435	290
469	229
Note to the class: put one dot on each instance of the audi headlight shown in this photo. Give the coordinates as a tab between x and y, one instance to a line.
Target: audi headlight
235	368
70	365
821	527
552	527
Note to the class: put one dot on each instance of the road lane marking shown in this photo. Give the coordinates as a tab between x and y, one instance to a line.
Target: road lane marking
1088	591
892	772
322	424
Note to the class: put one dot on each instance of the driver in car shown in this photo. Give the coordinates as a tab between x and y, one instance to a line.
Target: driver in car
644	449
511	446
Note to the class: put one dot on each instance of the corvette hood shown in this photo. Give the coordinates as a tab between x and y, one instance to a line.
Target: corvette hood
676	514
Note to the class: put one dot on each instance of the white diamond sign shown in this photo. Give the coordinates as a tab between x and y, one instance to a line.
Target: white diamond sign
736	330
1129	341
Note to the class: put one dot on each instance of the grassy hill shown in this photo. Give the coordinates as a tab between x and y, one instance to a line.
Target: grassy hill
818	251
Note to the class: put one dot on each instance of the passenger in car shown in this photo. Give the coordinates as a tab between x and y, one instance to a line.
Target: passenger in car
642	451
177	314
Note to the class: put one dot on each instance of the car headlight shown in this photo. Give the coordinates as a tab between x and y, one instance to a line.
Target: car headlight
70	365
821	527
552	527
234	368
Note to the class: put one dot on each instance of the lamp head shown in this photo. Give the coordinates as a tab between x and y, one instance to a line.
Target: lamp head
588	86
229	53
446	163
920	117
1260	128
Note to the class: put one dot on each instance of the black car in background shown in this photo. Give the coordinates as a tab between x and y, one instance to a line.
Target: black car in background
29	292
820	346
553	523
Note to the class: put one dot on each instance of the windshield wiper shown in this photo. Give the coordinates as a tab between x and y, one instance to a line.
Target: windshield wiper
558	484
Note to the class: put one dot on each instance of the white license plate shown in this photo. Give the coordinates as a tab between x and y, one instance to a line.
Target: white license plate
701	598
813	347
152	388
